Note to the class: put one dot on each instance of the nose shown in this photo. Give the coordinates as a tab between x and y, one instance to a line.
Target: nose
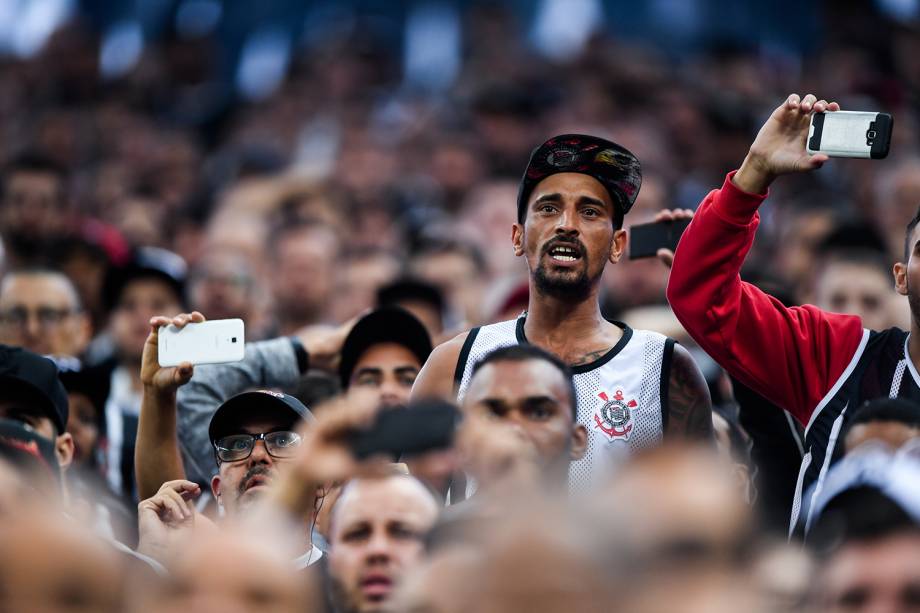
566	223
32	326
378	547
260	454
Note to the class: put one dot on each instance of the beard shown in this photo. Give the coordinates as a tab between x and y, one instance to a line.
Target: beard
568	287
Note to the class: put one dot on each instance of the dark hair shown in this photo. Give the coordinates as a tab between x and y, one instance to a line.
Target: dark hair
408	288
860	514
524	353
885	409
33	161
910	230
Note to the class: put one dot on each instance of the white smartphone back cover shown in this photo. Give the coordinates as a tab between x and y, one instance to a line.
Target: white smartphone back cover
209	342
844	134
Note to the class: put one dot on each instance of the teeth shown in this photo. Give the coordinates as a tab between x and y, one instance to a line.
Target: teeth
564	258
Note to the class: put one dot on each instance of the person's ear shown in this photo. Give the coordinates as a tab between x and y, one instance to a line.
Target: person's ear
579	442
900	278
517	239
63	449
618	246
215	489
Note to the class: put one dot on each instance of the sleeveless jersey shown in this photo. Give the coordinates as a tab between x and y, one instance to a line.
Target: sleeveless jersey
621	397
880	368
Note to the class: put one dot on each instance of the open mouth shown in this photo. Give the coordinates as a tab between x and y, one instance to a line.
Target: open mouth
564	253
376	587
257	481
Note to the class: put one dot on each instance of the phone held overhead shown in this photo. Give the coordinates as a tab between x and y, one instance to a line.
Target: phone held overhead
850	134
210	342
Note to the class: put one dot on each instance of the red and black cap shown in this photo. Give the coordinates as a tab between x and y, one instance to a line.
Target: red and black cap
614	166
29	377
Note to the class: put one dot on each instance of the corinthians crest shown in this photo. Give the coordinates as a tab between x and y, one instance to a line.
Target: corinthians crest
615	419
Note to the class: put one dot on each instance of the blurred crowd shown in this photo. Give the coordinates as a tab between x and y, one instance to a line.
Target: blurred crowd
349	194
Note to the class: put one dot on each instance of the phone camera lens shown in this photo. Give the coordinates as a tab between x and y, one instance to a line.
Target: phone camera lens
233	340
871	133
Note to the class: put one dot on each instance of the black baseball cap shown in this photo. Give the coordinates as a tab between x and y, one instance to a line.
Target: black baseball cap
262	403
30	376
614	166
383	325
146	262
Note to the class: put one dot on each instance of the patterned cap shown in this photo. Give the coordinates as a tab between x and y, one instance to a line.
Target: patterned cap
615	167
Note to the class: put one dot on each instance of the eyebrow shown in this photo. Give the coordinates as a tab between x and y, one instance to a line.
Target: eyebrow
556	197
406	369
368	370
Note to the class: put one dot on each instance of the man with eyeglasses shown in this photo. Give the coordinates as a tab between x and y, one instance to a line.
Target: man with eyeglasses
40	311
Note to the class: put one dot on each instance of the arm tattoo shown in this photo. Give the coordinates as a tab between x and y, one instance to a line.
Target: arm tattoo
689	406
589	357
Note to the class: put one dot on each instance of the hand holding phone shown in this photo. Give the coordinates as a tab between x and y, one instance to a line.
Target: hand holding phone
646	239
206	342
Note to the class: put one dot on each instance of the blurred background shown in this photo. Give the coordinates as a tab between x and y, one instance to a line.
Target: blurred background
300	155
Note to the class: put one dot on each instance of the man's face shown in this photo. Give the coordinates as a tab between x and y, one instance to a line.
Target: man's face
40	312
845	287
239	484
880	576
32	204
48	565
140	300
568	235
376	538
223	286
389	369
223	573
907	276
303	276
534	398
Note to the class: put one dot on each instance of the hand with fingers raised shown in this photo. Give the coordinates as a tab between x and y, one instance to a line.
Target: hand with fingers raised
779	147
165	380
167	519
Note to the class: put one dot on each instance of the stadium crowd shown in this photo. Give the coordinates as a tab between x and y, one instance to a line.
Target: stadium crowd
459	393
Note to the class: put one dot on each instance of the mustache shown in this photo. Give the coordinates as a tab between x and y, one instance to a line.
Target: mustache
255	471
569	241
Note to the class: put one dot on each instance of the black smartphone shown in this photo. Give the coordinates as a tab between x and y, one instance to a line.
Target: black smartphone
406	431
646	239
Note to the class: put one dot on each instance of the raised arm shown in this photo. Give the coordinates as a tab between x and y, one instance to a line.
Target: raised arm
156	452
791	356
274	363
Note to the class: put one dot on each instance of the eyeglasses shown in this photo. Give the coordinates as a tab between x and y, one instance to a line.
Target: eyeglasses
236	447
47	317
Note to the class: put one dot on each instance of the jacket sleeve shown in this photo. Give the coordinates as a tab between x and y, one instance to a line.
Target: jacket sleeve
790	355
267	364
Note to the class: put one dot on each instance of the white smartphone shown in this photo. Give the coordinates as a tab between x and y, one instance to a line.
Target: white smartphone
209	342
850	134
